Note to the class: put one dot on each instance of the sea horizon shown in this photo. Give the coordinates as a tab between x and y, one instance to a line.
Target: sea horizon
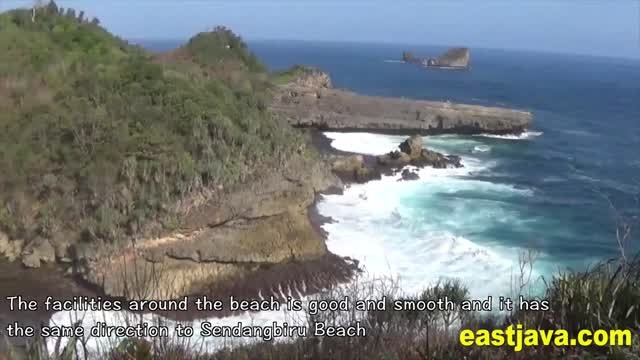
409	45
563	127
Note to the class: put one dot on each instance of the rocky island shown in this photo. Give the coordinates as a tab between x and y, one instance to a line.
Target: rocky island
163	175
454	58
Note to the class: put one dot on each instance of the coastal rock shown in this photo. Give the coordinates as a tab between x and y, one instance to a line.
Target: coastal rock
348	164
334	109
366	174
408	57
363	168
412	153
40	250
352	168
394	159
10	248
4	243
412	146
265	222
313	78
408	175
437	160
452	58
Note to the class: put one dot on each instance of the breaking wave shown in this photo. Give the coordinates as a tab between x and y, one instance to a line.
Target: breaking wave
524	136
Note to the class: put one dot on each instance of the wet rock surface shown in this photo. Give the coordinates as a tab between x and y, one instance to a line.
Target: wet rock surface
409	153
408	175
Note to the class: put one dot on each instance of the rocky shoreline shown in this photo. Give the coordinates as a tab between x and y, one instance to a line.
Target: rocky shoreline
265	236
312	102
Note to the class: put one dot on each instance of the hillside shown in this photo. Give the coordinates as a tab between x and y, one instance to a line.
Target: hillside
99	138
160	175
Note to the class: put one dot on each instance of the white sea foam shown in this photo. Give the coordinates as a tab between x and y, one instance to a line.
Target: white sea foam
89	319
481	148
391	228
364	143
523	136
416	231
376	144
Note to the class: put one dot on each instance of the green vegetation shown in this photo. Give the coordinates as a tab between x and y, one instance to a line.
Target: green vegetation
223	47
603	298
99	137
295	72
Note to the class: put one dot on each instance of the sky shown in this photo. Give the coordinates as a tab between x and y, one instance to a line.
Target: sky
591	27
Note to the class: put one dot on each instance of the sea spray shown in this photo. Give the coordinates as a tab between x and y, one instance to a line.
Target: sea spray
395	229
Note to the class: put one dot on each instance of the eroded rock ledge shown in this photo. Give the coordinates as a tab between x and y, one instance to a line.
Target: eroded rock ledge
362	168
311	102
228	238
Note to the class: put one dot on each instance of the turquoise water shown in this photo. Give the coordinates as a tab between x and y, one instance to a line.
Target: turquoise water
544	191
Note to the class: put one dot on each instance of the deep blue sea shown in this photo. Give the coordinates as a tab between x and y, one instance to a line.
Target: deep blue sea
549	191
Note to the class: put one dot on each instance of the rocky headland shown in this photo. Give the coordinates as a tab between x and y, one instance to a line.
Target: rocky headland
189	200
264	223
312	102
233	235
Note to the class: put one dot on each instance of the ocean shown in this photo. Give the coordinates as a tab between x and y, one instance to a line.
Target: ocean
553	194
557	191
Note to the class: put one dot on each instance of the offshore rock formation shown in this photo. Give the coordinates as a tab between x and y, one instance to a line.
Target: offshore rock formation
363	168
412	153
455	58
326	108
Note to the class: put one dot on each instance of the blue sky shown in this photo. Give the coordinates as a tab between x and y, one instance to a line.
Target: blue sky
593	27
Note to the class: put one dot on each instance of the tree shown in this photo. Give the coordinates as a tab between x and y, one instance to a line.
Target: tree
37	5
52	8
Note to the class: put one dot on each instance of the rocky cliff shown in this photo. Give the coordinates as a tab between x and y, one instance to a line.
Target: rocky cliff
326	108
227	237
180	179
160	177
239	239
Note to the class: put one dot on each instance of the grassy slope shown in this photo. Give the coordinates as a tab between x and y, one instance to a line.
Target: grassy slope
97	137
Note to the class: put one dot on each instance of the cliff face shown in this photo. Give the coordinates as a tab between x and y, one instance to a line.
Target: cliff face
225	238
156	177
331	109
